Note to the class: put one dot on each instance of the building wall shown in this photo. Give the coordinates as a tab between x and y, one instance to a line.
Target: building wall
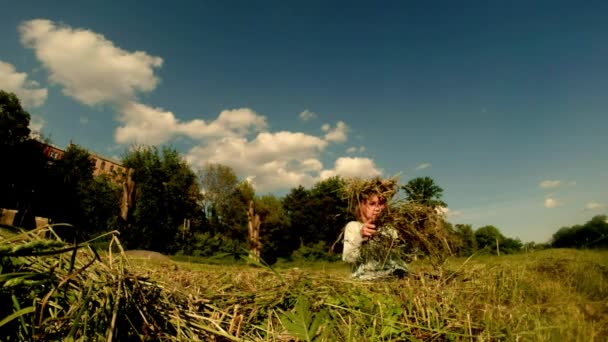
53	152
106	166
103	165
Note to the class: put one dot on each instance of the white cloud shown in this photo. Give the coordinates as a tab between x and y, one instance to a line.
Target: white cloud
550	184
423	166
238	138
352	167
337	134
453	214
89	67
354	149
448	212
307	115
594	206
36	124
147	125
15	82
271	161
93	70
310	165
551	203
236	122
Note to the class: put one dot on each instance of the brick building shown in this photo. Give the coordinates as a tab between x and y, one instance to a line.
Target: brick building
52	151
103	165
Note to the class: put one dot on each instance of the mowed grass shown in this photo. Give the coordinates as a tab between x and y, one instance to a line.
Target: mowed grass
51	290
551	295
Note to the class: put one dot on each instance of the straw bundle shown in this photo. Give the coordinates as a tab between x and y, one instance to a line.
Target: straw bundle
58	291
54	291
357	190
423	231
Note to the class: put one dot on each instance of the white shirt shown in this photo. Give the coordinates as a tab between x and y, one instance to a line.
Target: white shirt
352	241
371	268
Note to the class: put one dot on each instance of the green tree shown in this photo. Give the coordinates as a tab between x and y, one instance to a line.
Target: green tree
218	184
72	181
487	237
511	246
90	203
317	216
182	190
423	190
232	211
330	213
101	205
274	229
14	121
14	133
596	232
466	235
298	205
565	237
592	234
166	194
226	206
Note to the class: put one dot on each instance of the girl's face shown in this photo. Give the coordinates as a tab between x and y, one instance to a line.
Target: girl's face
371	208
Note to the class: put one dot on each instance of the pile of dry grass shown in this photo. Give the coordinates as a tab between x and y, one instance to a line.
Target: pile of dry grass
423	231
58	291
51	290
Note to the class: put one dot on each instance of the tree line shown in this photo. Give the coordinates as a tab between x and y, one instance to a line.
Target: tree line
592	234
174	209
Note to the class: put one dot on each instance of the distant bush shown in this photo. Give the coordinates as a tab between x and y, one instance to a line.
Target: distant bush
314	252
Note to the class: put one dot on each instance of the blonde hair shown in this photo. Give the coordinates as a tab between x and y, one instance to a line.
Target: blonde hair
357	191
357	207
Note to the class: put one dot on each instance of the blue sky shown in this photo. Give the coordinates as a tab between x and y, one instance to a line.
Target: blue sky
503	103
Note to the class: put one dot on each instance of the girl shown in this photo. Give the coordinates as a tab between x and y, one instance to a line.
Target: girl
372	250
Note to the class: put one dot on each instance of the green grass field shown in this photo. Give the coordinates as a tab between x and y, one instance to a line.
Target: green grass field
49	293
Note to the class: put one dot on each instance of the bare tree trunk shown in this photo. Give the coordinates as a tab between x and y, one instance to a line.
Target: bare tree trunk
128	191
254	233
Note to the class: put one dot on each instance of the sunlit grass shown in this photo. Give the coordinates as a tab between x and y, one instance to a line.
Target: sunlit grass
542	296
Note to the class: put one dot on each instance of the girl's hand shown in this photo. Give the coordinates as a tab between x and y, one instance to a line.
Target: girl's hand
368	230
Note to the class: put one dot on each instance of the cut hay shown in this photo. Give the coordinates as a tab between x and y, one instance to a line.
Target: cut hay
51	290
54	291
423	231
60	291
